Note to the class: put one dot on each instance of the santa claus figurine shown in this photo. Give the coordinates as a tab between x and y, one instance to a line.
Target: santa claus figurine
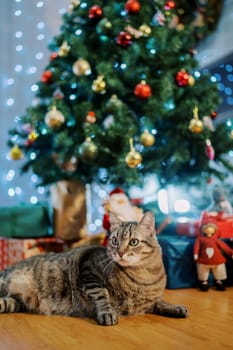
221	204
208	254
120	204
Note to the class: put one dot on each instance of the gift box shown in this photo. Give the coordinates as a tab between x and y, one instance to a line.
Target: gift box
69	210
26	220
177	252
225	229
14	250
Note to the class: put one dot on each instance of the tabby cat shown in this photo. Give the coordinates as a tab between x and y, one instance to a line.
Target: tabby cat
126	278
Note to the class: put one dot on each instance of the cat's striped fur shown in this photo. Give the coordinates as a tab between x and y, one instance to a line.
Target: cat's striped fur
127	278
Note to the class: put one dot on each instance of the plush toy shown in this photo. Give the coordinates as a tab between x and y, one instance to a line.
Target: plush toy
220	202
120	204
208	255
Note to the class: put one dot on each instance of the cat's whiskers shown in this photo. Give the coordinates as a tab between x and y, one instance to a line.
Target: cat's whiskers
105	264
108	265
102	261
106	269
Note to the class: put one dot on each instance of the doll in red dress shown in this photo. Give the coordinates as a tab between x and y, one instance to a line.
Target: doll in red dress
208	255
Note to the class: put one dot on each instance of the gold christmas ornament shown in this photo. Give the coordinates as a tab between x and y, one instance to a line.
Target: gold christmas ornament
147	139
81	67
32	136
16	153
54	118
191	80
180	27
145	29
99	85
74	4
64	49
88	150
133	158
196	125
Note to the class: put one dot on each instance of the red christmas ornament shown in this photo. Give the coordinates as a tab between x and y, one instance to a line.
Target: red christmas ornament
182	78
170	5
132	6
213	115
142	90
91	117
95	12
124	39
53	56
209	150
46	77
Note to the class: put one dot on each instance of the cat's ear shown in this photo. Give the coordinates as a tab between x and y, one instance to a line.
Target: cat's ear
115	221
148	222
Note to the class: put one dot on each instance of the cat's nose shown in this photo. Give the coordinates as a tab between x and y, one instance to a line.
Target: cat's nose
120	254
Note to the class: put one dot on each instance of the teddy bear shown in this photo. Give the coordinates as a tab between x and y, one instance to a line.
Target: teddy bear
208	248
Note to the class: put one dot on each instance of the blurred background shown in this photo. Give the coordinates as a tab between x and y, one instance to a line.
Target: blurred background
26	29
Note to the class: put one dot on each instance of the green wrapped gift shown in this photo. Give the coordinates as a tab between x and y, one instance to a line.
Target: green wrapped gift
24	221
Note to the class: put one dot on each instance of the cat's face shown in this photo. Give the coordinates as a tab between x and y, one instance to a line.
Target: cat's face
131	243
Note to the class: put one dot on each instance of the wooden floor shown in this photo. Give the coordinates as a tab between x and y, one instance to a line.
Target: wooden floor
209	326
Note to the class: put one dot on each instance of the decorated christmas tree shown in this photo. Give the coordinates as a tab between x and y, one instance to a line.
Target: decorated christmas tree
122	97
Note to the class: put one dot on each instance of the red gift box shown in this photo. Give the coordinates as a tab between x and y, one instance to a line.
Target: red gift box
225	228
13	250
191	228
223	221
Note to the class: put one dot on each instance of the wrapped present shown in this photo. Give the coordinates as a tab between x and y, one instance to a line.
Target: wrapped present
26	220
223	221
177	252
69	210
190	228
14	250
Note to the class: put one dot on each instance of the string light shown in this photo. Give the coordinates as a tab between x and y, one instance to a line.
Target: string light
222	74
28	59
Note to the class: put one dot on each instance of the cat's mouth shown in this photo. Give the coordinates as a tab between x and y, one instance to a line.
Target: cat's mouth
122	261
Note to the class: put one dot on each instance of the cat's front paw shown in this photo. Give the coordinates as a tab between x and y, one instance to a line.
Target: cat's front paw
164	308
181	311
107	318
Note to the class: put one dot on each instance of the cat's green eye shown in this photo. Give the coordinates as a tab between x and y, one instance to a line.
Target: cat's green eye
114	241
133	242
